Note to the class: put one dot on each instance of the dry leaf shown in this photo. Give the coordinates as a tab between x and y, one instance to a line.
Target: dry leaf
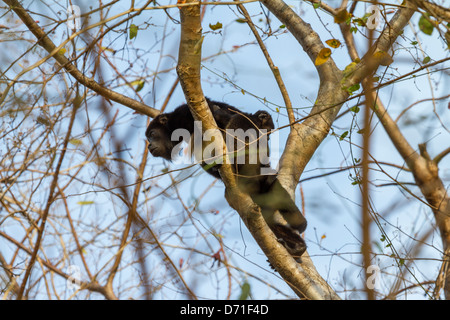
323	56
383	57
342	16
334	43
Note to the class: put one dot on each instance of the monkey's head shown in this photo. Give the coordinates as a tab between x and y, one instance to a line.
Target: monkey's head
158	135
263	120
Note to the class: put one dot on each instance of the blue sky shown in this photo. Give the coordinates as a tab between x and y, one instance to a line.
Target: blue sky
238	74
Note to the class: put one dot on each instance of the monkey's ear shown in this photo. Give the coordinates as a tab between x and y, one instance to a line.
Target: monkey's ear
215	108
163	119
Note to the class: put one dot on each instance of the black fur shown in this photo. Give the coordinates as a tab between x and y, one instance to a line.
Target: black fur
265	190
160	129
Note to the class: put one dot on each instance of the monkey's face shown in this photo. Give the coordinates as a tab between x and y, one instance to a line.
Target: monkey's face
264	120
158	137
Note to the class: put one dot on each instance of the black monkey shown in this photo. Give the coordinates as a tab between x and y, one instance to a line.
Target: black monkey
160	130
246	136
265	190
264	187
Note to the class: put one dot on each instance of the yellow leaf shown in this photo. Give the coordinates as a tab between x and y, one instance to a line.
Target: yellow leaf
323	56
334	43
342	16
198	45
350	69
62	51
107	49
383	57
83	203
75	142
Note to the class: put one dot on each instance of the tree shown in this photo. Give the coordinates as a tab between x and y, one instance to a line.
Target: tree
86	211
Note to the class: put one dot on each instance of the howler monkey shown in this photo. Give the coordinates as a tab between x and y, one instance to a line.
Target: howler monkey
264	187
246	135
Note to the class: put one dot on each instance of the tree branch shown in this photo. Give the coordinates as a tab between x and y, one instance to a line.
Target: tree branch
50	201
275	70
188	69
306	137
54	51
433	9
425	172
376	55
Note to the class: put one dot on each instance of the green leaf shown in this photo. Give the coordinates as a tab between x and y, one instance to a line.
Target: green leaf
425	25
342	137
360	22
133	31
316	5
353	88
216	26
355	109
140	85
426	60
241	20
245	291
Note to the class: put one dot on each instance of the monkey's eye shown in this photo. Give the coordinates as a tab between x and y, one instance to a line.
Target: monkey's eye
151	135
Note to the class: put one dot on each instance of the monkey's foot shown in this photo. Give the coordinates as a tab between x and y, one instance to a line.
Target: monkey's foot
290	239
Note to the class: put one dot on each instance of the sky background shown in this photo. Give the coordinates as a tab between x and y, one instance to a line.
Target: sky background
236	73
332	203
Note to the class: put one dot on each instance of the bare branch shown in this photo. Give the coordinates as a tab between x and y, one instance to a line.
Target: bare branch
434	9
275	70
54	51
